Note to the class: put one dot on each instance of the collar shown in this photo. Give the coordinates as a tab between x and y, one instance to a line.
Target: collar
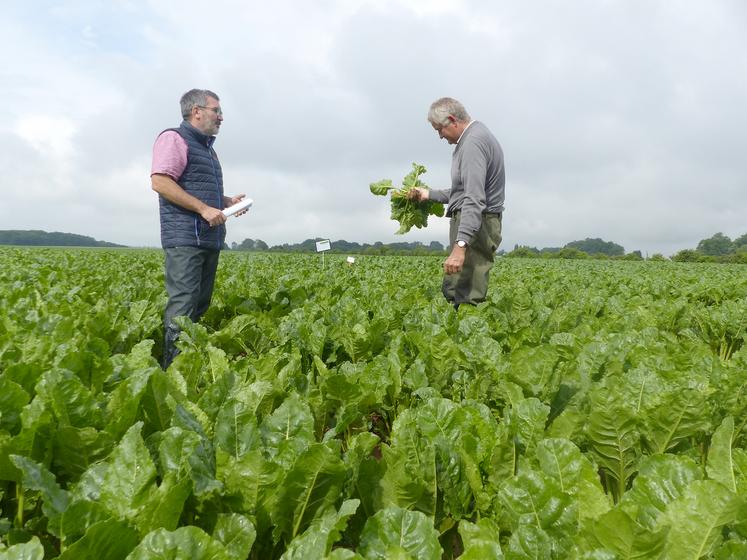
465	130
198	134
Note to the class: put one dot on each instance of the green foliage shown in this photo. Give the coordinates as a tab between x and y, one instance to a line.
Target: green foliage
717	245
597	246
687	255
408	213
311	414
50	239
523	252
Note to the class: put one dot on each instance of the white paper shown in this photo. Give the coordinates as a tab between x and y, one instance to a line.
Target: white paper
231	210
323	245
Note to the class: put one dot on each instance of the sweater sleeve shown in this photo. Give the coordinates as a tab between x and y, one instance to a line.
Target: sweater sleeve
473	171
439	195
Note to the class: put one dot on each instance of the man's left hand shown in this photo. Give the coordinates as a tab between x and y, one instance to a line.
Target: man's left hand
455	261
231	200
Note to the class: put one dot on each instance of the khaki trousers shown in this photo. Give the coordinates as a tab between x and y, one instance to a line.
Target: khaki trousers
471	284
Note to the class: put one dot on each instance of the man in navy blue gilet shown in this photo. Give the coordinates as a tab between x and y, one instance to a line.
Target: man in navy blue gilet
188	178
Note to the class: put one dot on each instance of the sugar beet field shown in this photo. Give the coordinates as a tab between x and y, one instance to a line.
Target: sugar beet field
589	410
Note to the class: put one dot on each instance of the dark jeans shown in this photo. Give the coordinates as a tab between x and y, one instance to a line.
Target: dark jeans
471	284
190	278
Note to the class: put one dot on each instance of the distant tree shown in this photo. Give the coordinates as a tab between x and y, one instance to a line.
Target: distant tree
246	245
740	241
52	239
739	257
523	252
657	257
596	246
687	255
633	256
260	245
716	246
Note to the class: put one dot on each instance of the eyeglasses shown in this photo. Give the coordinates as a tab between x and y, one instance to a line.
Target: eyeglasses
216	110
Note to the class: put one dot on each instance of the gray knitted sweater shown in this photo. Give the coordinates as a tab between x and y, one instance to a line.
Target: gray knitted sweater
478	180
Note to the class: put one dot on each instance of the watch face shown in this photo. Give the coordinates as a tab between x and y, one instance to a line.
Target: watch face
462	243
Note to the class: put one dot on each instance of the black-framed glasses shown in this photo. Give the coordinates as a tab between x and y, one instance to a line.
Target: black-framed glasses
216	110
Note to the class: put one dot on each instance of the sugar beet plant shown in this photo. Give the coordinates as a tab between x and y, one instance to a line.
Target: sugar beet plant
408	212
348	412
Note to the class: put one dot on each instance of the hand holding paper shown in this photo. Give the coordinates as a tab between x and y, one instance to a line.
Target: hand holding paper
238	207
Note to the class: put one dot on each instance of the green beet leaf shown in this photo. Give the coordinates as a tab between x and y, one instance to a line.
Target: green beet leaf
661	480
124	403
201	457
110	539
288	431
382	187
563	461
399	533
410	480
80	515
186	543
697	520
614	436
130	475
481	540
532	498
76	449
526	421
31	550
12	400
56	500
250	486
530	543
309	488
236	533
618	533
720	465
236	430
408	213
681	418
322	534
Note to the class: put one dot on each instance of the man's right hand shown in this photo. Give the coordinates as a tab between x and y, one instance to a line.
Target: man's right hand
418	194
213	216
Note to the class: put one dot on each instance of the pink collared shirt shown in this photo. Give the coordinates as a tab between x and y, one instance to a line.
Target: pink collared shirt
169	155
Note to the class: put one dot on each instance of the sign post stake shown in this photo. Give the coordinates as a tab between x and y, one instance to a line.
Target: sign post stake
322	246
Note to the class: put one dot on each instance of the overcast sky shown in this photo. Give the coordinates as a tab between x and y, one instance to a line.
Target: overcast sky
619	119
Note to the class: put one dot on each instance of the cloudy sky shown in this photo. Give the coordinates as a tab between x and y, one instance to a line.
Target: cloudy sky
619	119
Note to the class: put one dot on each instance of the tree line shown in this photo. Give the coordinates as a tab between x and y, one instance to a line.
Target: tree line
50	239
718	248
347	247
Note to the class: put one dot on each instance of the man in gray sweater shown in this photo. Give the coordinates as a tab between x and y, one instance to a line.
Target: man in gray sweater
475	201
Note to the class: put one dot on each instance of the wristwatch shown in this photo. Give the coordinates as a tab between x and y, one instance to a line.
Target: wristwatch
462	243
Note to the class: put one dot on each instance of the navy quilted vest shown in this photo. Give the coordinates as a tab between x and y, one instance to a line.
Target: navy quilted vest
203	179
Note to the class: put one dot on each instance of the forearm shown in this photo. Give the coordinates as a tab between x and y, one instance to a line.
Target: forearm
171	191
439	195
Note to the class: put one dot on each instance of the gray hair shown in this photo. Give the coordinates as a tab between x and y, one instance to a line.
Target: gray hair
195	98
443	108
